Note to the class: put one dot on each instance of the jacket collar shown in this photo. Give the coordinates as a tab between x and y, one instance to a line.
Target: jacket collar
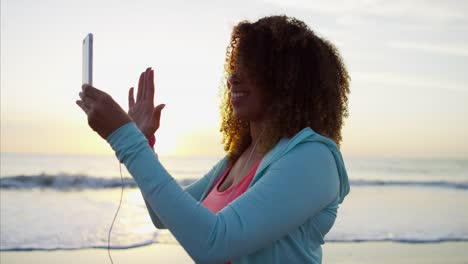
282	147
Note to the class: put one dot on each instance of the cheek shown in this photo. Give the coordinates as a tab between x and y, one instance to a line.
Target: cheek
259	97
257	103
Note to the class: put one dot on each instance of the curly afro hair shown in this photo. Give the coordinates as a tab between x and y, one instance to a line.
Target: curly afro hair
302	75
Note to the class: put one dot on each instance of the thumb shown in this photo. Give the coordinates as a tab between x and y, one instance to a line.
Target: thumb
157	113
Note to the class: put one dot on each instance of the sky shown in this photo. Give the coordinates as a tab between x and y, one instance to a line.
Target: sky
407	61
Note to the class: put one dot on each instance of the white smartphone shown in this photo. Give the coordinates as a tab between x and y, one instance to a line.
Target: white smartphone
88	59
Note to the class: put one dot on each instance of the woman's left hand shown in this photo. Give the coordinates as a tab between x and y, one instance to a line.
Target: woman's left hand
104	114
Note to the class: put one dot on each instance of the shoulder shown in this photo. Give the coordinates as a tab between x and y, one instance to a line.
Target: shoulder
309	153
313	148
308	162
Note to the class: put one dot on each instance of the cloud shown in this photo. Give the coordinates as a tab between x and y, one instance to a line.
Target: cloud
399	80
440	48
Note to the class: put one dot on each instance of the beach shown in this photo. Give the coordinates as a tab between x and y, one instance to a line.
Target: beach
334	252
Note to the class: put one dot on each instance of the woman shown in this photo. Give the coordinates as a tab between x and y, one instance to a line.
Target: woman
275	195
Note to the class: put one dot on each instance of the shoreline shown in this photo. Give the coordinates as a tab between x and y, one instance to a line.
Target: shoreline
333	252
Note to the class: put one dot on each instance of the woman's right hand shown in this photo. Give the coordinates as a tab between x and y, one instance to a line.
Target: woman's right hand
142	111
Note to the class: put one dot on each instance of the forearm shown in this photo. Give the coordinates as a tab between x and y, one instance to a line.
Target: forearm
195	190
154	217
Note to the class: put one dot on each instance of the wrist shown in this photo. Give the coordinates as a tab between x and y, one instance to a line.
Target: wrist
152	141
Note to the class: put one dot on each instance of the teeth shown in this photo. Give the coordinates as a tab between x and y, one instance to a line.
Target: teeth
237	95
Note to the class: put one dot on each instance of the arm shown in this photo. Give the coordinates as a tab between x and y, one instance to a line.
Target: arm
195	189
254	220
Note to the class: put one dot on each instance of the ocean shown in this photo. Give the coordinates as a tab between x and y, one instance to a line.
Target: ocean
55	201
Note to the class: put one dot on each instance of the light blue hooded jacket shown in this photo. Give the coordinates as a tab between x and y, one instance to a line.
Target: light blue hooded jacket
283	216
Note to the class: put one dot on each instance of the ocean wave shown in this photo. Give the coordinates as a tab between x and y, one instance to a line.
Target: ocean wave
42	247
438	184
403	240
69	181
72	181
48	247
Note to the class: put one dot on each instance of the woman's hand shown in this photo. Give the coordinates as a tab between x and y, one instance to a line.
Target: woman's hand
104	114
143	112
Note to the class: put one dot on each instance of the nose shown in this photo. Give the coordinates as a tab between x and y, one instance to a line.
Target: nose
233	79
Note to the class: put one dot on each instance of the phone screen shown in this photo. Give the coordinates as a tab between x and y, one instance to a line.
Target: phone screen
88	59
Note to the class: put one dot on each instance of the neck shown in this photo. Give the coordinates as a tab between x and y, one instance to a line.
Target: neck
256	128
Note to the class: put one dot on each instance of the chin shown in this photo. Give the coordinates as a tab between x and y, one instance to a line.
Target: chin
239	115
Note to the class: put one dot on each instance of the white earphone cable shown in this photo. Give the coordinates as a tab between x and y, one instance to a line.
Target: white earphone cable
115	216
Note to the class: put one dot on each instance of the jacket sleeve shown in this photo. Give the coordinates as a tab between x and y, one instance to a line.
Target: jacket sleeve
195	189
293	188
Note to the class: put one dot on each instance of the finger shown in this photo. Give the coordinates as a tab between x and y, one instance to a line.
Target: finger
150	88
82	106
146	84
91	92
87	100
89	103
157	114
131	98
84	97
141	83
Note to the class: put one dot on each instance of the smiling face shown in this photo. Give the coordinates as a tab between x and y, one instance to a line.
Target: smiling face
247	99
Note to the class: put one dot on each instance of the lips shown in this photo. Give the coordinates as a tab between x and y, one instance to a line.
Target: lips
237	91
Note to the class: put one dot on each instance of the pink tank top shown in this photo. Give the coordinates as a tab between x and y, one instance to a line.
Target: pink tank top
215	201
